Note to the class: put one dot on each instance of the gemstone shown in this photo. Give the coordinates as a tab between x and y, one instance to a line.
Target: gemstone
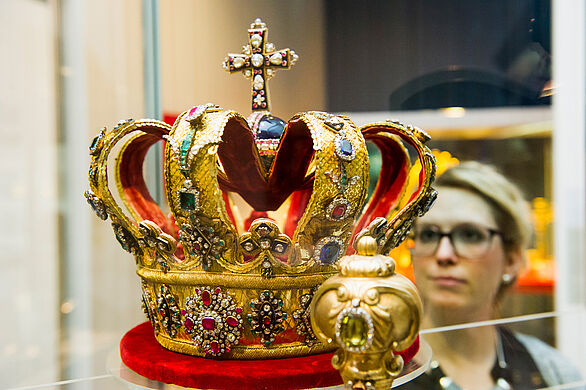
208	323
257	60
339	211
247	73
258	82
267	307
276	59
255	40
266	320
353	331
214	347
329	252
233	322
94	145
248	246
230	338
238	62
189	323
346	147
206	298
270	127
279	248
238	310
265	244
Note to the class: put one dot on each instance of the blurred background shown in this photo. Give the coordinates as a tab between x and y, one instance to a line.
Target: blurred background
502	82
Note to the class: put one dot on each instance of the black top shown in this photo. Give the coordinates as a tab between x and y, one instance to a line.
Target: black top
520	371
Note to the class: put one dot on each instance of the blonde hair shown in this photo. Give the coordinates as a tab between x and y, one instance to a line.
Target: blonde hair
508	204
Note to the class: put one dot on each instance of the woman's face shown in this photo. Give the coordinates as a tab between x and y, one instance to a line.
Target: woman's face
445	277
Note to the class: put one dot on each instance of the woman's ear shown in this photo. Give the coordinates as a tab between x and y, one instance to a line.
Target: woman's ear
515	261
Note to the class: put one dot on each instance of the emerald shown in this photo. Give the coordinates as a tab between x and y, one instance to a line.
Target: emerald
187	200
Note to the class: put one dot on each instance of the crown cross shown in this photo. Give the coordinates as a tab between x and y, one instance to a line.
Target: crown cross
259	61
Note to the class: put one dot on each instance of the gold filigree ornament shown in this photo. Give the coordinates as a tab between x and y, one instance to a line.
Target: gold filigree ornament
367	311
261	212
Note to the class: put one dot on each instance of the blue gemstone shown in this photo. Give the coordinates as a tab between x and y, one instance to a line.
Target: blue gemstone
270	127
346	147
329	252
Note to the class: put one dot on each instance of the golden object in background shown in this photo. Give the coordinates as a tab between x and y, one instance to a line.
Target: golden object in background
369	311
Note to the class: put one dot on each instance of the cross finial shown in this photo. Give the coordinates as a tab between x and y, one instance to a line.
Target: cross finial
259	61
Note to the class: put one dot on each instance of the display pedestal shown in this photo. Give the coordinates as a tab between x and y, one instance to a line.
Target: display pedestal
152	366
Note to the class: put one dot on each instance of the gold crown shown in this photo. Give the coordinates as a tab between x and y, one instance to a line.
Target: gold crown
261	210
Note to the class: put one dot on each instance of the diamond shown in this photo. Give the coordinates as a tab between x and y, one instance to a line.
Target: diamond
248	246
248	73
255	40
276	59
258	82
266	307
238	62
265	244
257	60
280	248
270	47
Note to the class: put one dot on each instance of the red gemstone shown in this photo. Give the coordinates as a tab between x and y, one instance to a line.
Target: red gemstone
162	313
266	320
189	323
238	310
206	298
183	312
214	347
233	322
339	211
208	323
217	291
192	111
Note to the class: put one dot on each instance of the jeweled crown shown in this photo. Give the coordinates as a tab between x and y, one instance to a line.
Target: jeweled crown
261	211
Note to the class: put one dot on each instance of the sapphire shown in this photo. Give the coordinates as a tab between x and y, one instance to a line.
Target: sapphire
346	147
270	127
329	252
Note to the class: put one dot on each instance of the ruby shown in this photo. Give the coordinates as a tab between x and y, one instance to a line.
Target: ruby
197	246
214	347
208	323
217	291
238	310
189	323
192	111
233	322
206	298
183	312
266	320
339	211
162	312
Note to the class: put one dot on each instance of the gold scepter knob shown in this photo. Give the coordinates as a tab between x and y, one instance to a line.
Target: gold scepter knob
369	311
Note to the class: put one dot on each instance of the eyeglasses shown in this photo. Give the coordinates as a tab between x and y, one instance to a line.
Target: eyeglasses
468	240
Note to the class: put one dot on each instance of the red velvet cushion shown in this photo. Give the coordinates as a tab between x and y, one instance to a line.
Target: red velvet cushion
141	352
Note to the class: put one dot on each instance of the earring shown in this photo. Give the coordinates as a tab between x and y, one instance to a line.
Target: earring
507	279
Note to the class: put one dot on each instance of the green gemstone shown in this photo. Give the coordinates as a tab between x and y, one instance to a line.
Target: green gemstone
267	293
187	200
354	331
94	143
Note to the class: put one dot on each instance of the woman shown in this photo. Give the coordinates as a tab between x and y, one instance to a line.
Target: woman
468	250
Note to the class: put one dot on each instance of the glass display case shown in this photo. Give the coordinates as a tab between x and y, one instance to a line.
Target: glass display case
478	77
